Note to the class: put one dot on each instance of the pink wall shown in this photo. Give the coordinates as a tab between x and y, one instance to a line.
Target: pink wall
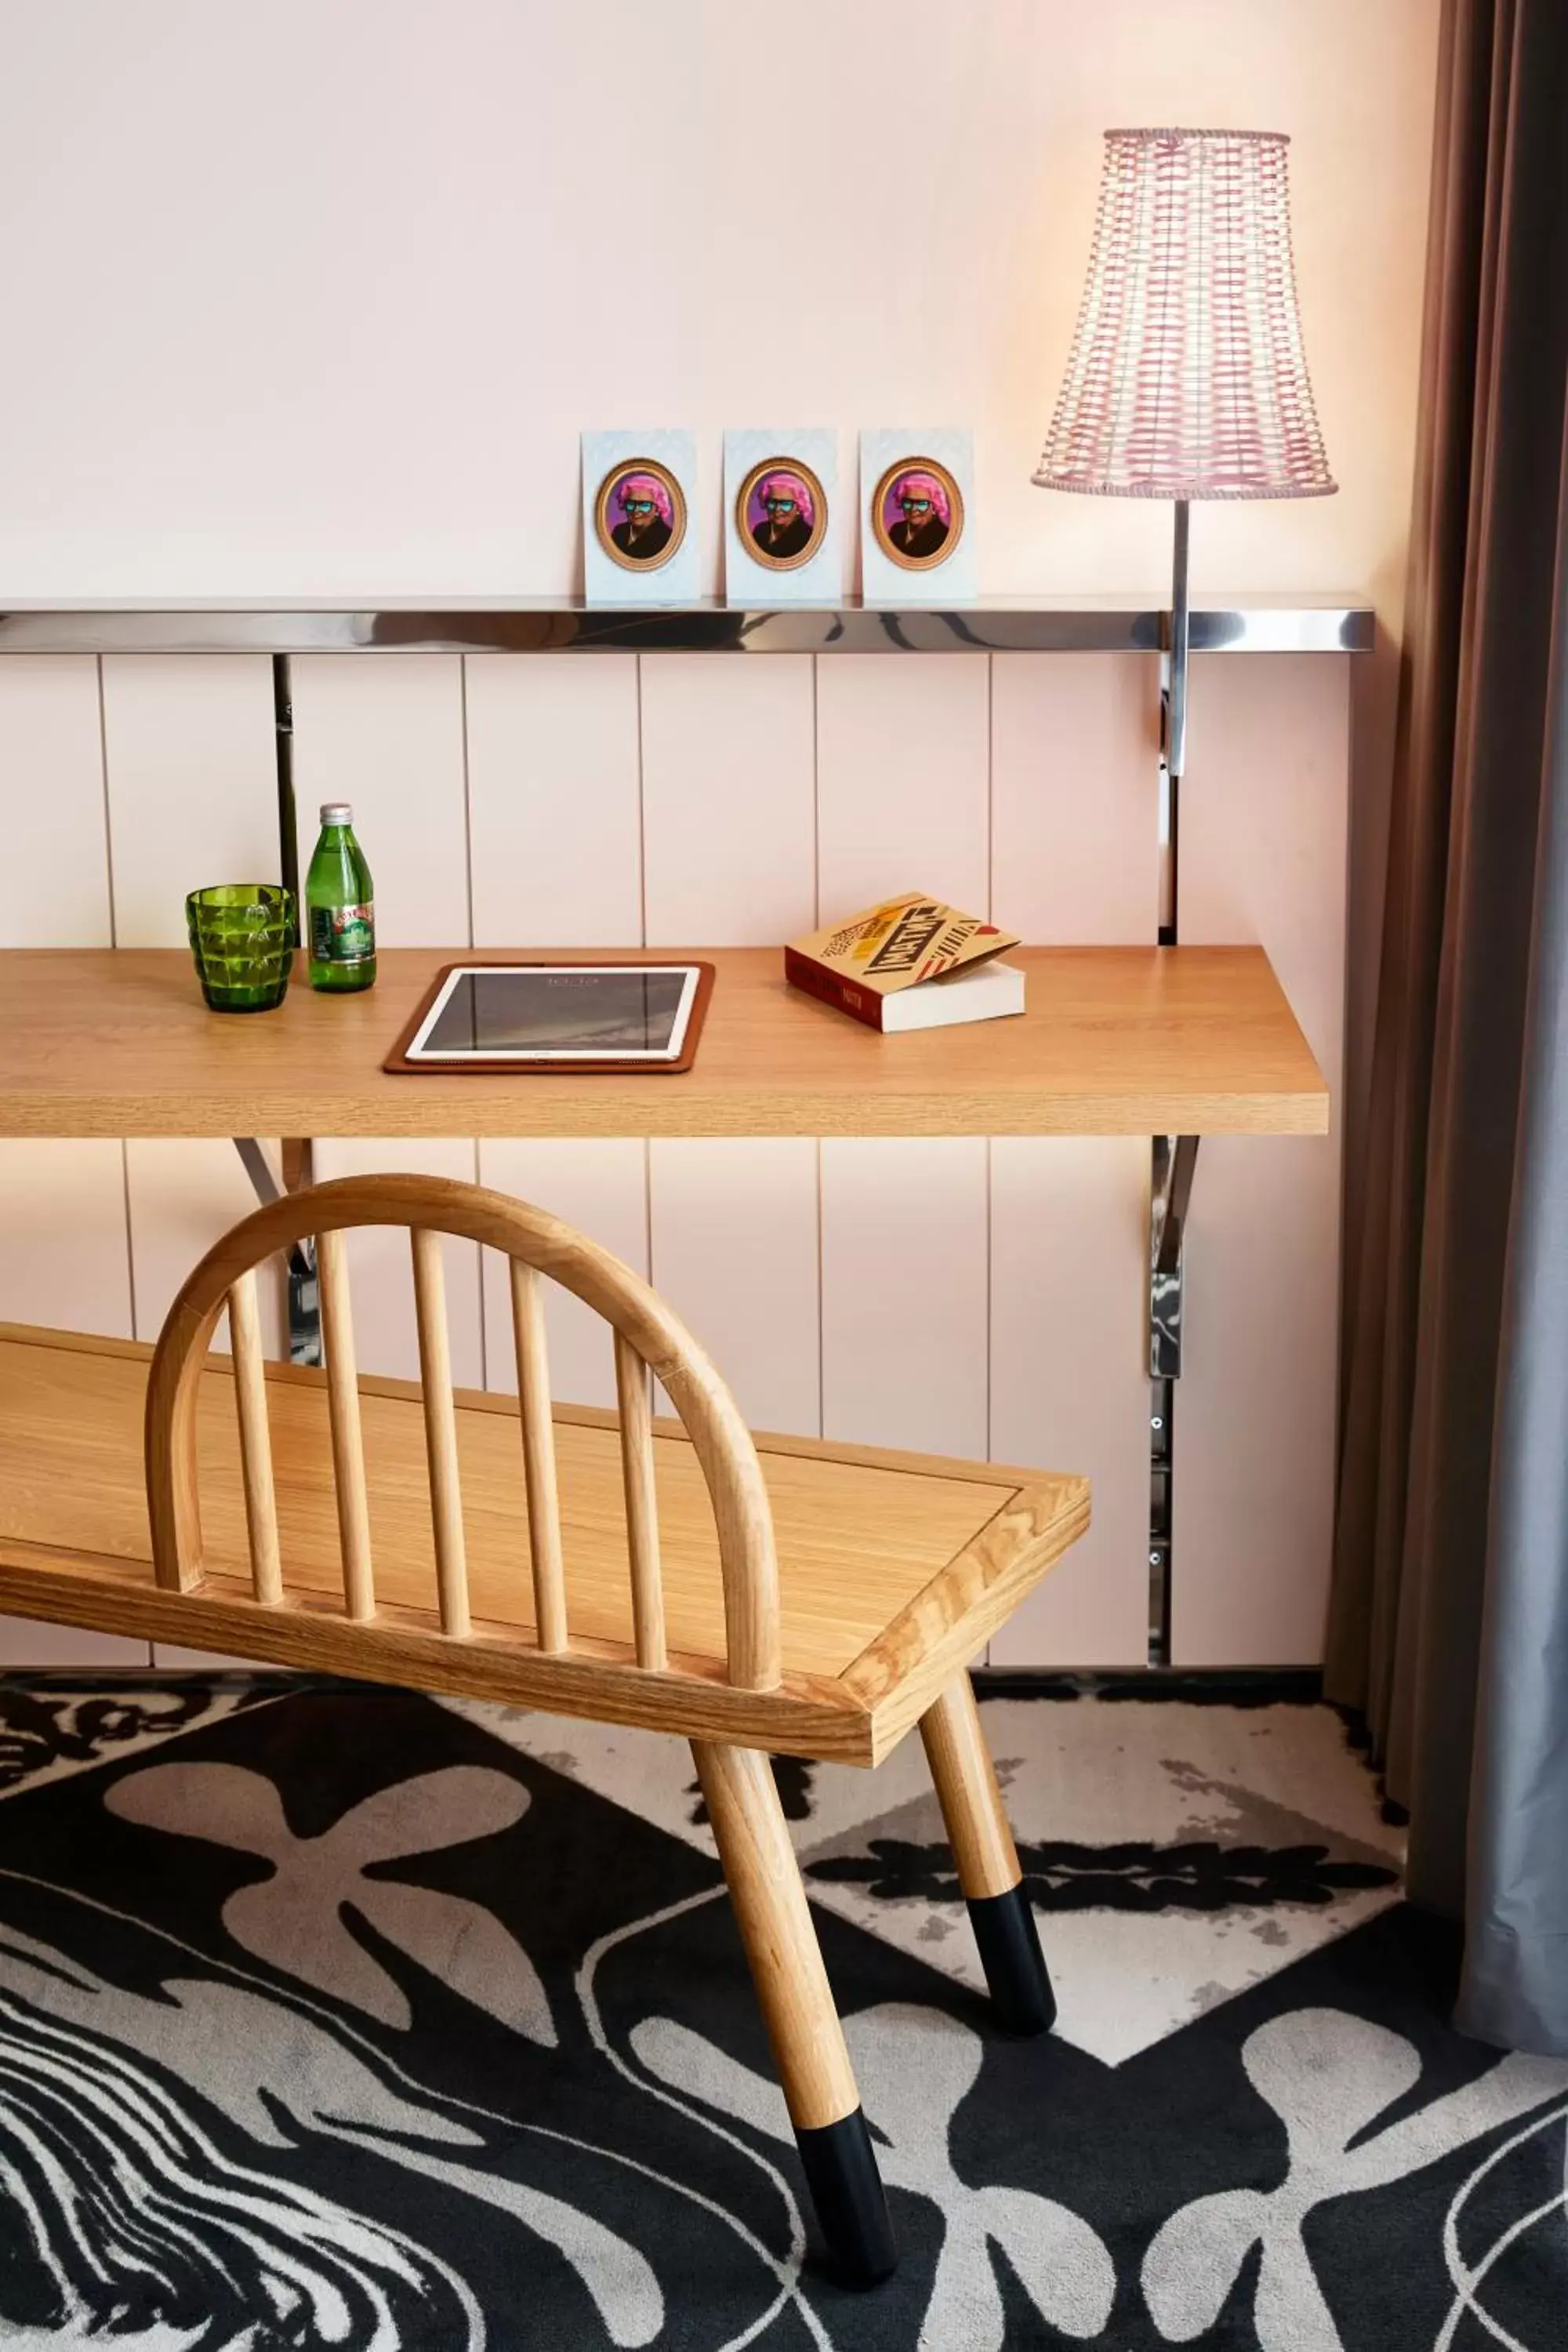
317	300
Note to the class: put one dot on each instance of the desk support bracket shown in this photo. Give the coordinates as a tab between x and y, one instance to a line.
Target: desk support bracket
304	1302
1175	1155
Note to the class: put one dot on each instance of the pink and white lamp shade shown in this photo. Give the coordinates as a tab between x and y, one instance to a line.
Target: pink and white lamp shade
1187	377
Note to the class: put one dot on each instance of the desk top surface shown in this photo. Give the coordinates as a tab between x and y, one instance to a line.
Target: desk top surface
1116	1041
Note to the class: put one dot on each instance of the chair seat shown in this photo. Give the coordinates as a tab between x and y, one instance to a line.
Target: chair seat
894	1568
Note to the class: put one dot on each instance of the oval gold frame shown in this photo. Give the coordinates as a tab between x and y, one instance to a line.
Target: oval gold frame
917	465
744	499
601	525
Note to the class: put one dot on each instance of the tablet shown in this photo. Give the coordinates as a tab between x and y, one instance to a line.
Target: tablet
559	1016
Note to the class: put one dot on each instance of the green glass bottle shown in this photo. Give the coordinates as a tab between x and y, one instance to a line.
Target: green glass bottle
339	907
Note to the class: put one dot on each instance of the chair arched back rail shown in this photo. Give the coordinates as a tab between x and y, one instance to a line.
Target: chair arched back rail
647	1338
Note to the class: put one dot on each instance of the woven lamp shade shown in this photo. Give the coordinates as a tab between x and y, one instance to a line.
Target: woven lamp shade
1187	378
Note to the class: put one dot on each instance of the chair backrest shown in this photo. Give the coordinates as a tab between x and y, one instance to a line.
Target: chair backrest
647	1337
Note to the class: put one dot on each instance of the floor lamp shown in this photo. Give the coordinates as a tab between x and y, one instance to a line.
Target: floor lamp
1187	378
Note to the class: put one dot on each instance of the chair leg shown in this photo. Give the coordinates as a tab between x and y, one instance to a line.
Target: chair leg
999	1910
796	2002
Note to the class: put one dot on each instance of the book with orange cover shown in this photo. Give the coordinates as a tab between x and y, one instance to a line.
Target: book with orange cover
911	963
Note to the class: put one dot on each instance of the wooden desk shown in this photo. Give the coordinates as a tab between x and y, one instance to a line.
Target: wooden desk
1116	1041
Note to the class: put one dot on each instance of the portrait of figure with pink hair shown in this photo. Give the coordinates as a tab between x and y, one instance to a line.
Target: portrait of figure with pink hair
640	515
782	511
917	513
640	543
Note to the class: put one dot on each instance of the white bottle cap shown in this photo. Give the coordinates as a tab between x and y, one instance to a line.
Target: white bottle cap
336	812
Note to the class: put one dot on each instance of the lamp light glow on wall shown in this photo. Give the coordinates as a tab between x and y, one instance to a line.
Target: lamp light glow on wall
1187	377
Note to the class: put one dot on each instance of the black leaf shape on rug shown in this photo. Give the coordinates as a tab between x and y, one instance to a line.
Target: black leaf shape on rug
792	1777
1200	1875
40	1728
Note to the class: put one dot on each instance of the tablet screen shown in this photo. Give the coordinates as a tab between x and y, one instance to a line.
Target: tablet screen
543	1013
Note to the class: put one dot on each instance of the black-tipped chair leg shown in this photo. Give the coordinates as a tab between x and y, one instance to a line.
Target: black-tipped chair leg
987	1861
846	2187
1015	1966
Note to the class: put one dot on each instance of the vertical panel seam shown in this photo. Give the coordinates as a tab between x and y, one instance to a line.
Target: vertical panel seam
647	1207
816	919
114	941
821	1307
108	817
480	1275
642	813
990	788
815	805
468	811
129	1236
642	901
990	1311
990	917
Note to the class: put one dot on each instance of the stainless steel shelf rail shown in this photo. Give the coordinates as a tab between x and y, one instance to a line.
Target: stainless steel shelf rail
988	625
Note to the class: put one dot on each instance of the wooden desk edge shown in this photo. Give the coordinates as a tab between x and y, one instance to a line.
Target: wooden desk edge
664	1112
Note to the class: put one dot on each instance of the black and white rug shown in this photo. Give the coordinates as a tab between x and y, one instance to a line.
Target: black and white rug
350	2020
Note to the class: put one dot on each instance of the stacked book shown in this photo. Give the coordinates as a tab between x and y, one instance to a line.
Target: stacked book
910	963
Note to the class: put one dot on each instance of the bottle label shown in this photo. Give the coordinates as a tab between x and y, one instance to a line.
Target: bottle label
343	934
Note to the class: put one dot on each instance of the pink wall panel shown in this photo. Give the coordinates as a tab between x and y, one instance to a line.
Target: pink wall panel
192	782
728	822
904	776
63	1255
905	1310
54	879
556	792
1074	784
1074	797
381	1273
387	737
903	785
729	830
1069	1386
183	1196
735	1251
601	1187
1263	858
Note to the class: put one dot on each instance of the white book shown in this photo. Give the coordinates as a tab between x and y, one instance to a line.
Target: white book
984	991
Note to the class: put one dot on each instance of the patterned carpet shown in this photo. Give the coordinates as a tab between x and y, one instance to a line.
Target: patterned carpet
348	2019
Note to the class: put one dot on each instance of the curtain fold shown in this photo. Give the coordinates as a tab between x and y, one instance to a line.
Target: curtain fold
1449	1620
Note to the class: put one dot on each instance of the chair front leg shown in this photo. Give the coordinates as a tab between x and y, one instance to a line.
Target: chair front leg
797	2007
977	1830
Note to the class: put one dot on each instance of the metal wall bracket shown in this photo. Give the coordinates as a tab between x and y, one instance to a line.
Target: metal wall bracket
1175	1155
304	1298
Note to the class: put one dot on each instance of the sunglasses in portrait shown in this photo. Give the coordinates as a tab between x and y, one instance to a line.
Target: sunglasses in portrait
915	506
638	506
779	505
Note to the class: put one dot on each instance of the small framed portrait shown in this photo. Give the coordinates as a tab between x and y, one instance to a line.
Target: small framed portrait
781	509
916	540
917	513
639	541
781	530
640	515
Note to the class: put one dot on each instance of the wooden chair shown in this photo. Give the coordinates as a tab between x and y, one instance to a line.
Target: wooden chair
653	1591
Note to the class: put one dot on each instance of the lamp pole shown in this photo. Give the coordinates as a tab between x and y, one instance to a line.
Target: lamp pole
1176	729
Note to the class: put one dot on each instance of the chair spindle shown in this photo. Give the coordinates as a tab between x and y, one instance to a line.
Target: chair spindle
539	1457
348	1445
255	1440
440	1432
642	1508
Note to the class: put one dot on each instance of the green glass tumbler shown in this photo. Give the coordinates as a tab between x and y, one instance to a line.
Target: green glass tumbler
242	936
